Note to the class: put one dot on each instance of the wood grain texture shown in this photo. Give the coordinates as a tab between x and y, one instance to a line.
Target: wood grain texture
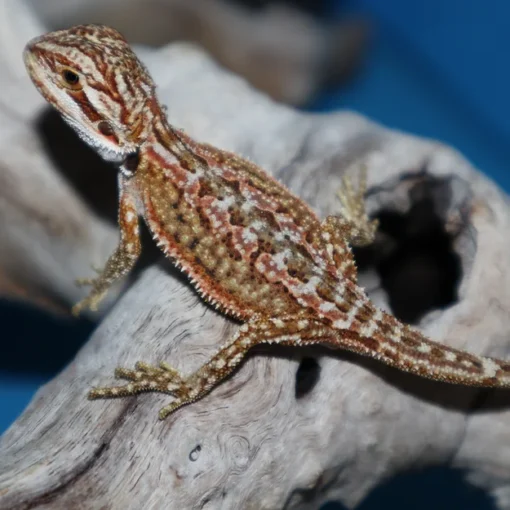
251	443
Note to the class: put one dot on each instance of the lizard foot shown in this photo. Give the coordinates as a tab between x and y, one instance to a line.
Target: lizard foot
91	301
145	378
99	291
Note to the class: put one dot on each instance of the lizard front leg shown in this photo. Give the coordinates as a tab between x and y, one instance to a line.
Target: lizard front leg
291	330
122	259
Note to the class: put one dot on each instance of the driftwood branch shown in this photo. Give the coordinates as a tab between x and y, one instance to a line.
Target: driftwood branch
291	428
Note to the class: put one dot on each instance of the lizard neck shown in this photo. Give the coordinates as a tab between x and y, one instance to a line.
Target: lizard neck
159	144
167	147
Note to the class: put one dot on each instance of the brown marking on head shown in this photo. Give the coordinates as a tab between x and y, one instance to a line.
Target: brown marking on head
93	67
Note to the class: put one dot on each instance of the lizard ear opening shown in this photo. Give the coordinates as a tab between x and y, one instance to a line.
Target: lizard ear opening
130	164
418	243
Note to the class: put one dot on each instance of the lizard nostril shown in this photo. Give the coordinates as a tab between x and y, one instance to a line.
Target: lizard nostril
105	128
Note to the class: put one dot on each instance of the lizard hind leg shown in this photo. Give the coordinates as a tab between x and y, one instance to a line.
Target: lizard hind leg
354	222
353	227
291	330
400	346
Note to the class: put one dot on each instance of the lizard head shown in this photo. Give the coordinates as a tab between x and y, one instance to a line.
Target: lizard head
92	77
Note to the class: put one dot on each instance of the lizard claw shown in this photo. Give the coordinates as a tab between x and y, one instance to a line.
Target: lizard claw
144	378
91	302
81	282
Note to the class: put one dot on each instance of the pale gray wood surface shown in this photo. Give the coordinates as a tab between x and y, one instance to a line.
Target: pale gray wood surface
251	443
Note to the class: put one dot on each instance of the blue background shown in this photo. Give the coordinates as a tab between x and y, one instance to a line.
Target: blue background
436	68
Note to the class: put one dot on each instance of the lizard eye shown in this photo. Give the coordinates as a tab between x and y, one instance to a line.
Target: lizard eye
71	79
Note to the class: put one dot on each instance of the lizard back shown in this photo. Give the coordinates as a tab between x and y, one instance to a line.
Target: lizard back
249	245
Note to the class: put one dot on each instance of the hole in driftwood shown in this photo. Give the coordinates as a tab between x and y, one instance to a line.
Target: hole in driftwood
414	254
307	375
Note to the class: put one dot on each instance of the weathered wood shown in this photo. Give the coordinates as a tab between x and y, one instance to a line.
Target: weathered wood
254	442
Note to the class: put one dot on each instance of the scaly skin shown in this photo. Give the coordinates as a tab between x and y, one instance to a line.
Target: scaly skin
249	246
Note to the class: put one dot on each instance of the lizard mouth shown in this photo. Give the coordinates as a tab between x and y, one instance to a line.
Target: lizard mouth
31	65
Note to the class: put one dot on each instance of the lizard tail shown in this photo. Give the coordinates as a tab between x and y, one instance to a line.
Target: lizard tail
385	338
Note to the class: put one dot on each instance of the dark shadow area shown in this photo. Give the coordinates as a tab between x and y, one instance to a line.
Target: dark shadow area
36	342
307	376
316	7
438	488
414	255
94	179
